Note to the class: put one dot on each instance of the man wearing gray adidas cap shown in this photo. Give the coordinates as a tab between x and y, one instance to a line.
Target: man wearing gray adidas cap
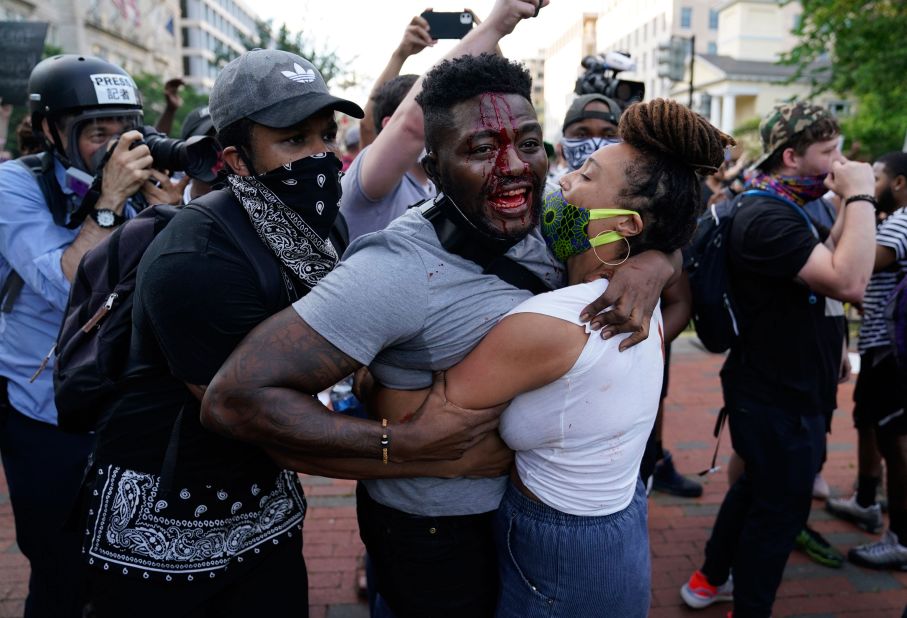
181	521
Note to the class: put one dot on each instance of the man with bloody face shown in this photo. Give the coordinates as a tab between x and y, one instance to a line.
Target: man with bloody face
495	164
406	302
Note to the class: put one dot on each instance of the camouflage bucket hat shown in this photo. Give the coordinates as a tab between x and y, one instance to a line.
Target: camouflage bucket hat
785	121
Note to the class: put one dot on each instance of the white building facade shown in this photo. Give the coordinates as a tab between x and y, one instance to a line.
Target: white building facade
142	36
210	28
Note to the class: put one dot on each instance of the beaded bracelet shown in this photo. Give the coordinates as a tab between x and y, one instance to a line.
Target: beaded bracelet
862	198
385	440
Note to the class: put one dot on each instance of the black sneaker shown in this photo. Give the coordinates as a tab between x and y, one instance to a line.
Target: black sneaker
667	479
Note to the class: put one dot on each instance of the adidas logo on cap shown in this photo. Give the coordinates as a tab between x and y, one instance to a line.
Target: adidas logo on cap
300	75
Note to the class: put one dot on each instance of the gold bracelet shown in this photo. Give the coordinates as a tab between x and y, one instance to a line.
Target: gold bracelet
385	440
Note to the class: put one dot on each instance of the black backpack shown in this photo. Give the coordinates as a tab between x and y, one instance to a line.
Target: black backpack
715	316
93	345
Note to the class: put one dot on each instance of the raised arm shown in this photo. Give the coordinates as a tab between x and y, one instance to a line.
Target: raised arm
844	273
397	147
415	39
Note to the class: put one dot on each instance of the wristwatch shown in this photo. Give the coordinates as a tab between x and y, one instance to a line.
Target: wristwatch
106	218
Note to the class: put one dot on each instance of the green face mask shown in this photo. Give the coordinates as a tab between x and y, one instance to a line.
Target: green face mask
566	227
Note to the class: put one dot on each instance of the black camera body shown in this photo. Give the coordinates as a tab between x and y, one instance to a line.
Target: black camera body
198	156
601	78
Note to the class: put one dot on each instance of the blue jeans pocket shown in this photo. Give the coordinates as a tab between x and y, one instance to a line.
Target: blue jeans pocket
513	548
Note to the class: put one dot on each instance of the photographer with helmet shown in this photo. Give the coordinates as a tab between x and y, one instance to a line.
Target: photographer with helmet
52	214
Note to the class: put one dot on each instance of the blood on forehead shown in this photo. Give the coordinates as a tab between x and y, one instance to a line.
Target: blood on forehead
496	114
493	110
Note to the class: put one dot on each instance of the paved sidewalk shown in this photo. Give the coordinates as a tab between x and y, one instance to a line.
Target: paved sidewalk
679	527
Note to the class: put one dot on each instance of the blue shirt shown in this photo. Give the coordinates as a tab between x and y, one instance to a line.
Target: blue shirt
32	245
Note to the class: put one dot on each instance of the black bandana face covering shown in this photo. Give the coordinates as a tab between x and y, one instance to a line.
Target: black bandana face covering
293	208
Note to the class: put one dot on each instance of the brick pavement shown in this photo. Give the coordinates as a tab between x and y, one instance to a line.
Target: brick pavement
679	527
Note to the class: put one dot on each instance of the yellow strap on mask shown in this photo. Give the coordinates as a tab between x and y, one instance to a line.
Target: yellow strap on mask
603	213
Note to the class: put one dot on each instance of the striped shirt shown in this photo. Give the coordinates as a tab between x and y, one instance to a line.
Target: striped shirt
892	233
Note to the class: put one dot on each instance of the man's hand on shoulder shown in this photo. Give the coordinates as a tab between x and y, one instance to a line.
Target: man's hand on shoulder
633	292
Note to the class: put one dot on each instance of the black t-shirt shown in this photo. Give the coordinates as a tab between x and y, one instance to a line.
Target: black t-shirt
789	351
168	499
196	297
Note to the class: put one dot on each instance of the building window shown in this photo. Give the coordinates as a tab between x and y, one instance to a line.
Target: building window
686	17
713	47
798	19
839	108
713	19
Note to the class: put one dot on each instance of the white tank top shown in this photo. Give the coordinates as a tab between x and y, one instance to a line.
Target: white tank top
580	439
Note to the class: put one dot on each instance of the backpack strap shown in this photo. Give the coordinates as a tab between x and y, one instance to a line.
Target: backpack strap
456	241
223	209
41	167
796	207
812	298
10	291
340	234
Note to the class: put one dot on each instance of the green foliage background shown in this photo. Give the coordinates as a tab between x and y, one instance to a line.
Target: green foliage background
866	42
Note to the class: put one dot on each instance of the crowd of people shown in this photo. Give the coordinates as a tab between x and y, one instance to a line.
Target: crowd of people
506	310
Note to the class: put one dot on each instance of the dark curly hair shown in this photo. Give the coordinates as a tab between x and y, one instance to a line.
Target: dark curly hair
460	79
895	163
677	146
389	96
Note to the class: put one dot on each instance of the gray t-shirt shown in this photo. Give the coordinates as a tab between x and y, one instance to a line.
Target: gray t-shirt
364	214
401	304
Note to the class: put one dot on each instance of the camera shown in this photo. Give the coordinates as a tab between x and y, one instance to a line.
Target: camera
601	78
198	156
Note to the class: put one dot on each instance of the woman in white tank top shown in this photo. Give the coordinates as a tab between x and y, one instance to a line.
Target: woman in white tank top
571	529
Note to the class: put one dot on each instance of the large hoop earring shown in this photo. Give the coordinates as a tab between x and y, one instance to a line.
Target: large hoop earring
626	257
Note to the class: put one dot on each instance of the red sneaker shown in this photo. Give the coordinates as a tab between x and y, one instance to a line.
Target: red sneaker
699	593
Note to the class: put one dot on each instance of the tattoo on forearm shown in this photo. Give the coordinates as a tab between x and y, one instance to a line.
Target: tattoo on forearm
265	392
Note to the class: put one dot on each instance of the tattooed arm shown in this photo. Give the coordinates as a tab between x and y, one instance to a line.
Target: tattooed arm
265	394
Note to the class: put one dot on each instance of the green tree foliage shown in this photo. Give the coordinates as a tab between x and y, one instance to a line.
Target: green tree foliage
864	42
152	89
335	70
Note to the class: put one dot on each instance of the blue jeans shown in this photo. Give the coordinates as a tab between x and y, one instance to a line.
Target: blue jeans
557	565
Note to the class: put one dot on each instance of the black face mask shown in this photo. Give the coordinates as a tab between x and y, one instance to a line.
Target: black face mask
293	208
